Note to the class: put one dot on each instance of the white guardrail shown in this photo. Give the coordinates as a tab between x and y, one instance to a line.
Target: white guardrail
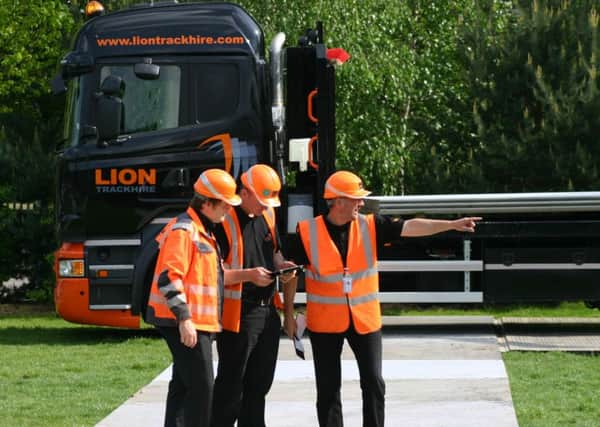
469	204
575	201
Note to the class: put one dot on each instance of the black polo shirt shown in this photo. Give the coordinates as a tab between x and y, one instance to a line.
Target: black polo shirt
387	229
258	250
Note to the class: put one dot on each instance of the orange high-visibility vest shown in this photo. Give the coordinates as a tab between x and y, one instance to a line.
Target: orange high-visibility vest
232	297
328	308
188	257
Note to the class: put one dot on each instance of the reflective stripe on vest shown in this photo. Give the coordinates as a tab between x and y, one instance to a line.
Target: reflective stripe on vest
233	258
202	310
171	288
171	302
232	294
204	290
342	300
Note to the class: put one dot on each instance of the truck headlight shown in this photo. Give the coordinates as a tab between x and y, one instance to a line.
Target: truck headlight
71	268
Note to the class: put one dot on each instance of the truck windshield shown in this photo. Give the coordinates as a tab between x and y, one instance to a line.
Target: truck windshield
195	91
149	104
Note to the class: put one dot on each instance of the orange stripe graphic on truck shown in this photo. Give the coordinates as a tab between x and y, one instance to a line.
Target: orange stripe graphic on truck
225	139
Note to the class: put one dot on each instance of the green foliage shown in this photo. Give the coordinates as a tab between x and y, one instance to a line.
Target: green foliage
33	34
26	172
535	97
27	177
401	97
33	37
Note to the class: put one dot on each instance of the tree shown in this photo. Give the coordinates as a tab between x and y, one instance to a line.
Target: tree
401	97
33	37
535	98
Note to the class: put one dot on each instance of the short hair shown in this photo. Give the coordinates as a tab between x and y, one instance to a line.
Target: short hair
199	200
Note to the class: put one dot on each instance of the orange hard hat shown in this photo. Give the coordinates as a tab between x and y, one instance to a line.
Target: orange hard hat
217	184
344	184
264	182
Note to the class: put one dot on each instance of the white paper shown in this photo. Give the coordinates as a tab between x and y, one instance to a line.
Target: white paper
300	324
300	327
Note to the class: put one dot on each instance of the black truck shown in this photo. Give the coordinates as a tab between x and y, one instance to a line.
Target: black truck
155	95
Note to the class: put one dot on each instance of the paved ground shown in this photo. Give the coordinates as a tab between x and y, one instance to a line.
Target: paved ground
433	379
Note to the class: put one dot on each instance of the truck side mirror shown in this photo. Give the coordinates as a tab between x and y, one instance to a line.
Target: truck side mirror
75	64
109	108
72	65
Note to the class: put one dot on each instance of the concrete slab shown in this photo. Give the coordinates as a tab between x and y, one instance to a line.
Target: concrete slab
431	380
573	334
566	322
572	342
437	320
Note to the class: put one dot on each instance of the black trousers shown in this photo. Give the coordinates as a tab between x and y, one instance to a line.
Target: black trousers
189	397
246	368
327	350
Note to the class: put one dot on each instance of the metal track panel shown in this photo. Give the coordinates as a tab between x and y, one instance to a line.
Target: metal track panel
544	266
431	297
577	201
429	266
110	307
418	297
112	267
113	242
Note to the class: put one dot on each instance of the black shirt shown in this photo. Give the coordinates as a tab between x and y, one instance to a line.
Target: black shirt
387	229
258	250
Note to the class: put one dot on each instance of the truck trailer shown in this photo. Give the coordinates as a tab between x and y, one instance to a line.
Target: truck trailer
158	93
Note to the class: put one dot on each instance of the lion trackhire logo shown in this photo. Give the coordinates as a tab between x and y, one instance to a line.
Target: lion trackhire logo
125	180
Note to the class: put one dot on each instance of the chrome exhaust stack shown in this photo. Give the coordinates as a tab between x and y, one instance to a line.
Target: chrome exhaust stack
278	106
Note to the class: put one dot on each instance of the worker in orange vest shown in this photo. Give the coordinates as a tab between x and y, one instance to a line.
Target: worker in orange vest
249	343
186	296
339	251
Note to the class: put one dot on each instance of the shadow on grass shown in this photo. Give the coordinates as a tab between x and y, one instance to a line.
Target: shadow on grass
70	335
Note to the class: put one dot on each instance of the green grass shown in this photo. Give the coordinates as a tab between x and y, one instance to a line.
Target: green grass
54	373
554	389
566	309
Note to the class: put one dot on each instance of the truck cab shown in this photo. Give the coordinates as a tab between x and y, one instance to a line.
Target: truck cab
155	95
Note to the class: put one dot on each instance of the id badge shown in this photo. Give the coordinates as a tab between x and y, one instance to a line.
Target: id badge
347	282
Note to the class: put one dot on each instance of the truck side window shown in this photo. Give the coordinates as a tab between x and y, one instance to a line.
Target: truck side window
72	123
217	91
